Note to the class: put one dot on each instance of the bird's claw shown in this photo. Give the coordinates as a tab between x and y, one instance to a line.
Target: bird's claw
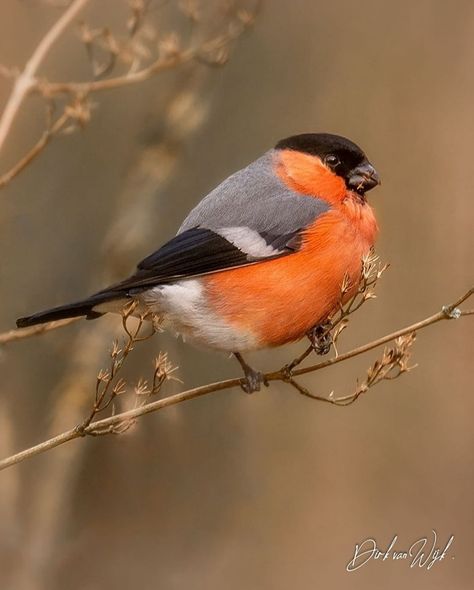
321	338
253	381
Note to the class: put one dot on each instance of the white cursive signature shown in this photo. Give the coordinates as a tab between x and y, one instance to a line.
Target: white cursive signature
418	554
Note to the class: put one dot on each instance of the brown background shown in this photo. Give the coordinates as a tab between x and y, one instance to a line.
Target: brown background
233	491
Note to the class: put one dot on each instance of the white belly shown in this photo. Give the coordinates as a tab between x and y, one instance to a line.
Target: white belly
184	309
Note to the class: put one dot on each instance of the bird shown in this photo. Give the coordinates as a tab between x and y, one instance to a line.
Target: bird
261	260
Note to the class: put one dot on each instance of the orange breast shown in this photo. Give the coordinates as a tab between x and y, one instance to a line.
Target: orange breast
280	300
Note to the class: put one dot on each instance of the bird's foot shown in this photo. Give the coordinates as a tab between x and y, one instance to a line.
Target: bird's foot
321	338
253	379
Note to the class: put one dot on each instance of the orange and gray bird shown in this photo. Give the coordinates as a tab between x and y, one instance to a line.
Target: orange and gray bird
261	260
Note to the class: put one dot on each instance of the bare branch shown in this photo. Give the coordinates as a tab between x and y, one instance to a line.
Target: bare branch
392	364
395	357
108	384
14	335
26	81
170	54
448	312
161	64
35	150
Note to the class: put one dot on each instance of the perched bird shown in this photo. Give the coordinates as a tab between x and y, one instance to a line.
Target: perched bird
261	260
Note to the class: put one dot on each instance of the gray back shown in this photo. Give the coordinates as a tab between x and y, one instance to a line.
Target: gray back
255	197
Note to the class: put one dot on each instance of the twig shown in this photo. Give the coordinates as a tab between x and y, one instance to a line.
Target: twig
170	56
108	385
14	335
26	81
43	141
80	91
159	65
394	362
448	312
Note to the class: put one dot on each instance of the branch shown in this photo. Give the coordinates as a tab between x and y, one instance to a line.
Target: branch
394	362
39	146
14	335
212	51
109	386
109	424
26	81
170	120
448	312
159	65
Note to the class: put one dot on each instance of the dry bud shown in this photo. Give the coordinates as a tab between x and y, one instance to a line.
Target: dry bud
142	388
120	387
169	46
103	376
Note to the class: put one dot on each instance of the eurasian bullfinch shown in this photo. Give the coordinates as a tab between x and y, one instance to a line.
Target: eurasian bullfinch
260	261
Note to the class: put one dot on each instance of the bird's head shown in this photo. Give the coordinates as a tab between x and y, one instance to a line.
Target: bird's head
325	165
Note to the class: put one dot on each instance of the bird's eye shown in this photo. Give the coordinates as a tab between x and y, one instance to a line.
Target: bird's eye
332	160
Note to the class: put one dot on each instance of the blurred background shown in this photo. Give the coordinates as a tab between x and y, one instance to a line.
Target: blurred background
272	490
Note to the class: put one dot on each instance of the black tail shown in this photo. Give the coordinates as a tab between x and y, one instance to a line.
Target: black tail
71	310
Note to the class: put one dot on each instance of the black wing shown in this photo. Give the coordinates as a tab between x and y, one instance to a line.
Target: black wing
193	252
196	252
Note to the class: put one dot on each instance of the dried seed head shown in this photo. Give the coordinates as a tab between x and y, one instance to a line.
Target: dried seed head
142	387
169	46
346	284
246	17
79	110
116	350
120	387
103	376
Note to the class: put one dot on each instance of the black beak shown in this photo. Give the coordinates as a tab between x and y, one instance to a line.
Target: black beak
363	178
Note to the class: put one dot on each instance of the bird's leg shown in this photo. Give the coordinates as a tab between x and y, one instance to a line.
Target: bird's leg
321	338
253	379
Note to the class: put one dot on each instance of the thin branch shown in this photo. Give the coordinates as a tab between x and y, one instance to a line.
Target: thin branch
107	424
171	55
108	385
26	81
159	65
15	335
39	146
394	362
448	312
